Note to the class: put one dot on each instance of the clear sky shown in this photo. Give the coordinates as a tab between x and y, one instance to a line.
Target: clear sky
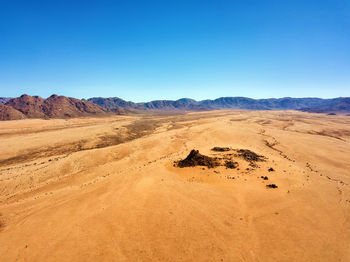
146	50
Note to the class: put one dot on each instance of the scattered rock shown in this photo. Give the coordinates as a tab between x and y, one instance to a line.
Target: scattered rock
196	159
250	156
265	177
271	186
231	164
253	165
221	149
271	169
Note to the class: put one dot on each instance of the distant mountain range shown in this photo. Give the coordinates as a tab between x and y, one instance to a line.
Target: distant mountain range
340	105
4	100
56	106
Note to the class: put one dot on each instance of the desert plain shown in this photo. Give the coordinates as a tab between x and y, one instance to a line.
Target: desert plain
108	189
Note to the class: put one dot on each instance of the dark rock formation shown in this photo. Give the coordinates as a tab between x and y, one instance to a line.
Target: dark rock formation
196	159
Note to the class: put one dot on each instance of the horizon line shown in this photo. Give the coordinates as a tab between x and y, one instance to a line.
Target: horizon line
105	97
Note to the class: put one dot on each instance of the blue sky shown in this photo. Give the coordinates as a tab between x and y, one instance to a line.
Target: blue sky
146	50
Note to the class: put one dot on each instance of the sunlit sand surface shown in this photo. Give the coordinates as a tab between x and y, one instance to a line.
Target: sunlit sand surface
106	189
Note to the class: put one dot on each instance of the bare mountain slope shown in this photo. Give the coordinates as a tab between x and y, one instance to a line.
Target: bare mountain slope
55	107
341	106
9	113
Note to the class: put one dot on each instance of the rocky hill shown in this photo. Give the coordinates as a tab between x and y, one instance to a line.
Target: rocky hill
112	102
53	107
30	106
9	113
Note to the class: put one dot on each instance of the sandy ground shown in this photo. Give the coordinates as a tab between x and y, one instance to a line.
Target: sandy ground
106	189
